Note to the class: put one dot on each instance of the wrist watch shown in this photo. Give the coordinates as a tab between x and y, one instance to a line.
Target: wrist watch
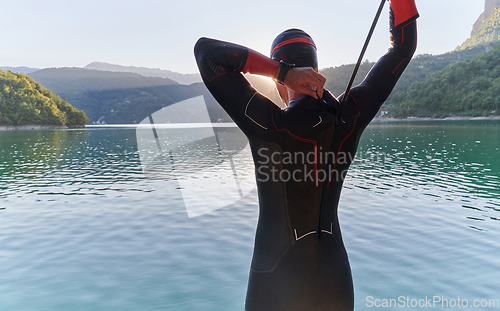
283	68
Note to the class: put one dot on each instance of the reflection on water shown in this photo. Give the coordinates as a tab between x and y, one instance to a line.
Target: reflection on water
440	161
82	228
452	162
67	162
207	160
192	157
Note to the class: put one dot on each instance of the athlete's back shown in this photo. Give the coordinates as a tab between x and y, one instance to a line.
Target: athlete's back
301	156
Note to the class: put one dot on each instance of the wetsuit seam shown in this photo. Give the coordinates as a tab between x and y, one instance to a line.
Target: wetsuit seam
320	120
403	34
246	108
402	42
323	195
399	65
304	235
288	220
345	138
313	232
303	140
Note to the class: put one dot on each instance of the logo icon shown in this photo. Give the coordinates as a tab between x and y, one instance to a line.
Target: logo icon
211	162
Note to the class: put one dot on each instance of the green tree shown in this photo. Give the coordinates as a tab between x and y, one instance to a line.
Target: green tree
23	101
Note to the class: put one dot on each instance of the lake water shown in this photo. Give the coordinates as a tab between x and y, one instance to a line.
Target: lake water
82	228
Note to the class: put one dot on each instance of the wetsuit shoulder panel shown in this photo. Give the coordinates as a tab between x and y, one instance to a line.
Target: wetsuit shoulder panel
221	65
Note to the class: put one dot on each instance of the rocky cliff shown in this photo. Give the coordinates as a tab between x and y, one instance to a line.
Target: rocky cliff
486	36
489	7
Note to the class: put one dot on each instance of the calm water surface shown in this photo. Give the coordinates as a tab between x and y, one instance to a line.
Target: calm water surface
82	228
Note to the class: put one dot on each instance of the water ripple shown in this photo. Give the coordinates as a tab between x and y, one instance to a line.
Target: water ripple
84	229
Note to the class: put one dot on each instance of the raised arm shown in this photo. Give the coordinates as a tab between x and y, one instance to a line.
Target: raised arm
378	84
216	58
221	65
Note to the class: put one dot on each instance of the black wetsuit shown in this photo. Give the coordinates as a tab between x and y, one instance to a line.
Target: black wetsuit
301	156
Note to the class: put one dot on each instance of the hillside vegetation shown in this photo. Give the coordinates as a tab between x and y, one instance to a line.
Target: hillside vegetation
147	72
488	34
419	68
23	101
118	97
466	88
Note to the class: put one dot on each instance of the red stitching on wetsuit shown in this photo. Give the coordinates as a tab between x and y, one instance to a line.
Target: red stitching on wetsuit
397	67
402	41
343	140
403	34
304	140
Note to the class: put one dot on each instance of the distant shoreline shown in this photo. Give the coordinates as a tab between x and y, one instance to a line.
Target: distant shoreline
223	124
35	127
382	119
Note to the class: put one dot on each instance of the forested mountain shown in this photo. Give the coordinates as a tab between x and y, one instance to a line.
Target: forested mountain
467	88
488	34
59	79
147	72
419	68
23	69
489	7
127	98
120	98
23	101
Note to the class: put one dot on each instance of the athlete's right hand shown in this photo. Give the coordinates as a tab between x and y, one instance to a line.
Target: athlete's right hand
305	80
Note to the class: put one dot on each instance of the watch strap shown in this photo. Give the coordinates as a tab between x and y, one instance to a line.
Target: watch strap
283	69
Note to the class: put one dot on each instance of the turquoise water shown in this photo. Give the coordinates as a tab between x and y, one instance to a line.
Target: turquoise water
81	227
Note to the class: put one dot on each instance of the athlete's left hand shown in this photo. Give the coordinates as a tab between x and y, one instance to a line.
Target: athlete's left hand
305	80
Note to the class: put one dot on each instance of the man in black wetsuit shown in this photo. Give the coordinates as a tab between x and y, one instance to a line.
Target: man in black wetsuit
301	156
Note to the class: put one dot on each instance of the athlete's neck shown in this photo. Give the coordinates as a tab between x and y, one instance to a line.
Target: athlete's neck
287	95
294	95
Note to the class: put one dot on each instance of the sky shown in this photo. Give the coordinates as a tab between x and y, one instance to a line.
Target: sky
162	33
